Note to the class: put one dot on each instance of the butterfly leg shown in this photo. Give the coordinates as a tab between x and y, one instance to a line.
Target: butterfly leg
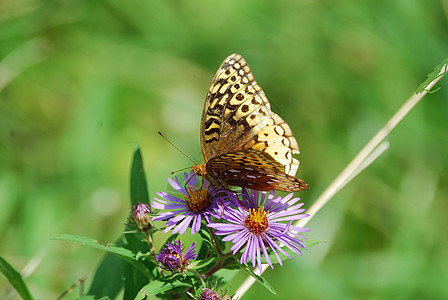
217	193
186	183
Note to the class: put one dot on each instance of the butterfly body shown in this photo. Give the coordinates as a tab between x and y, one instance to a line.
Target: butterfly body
243	142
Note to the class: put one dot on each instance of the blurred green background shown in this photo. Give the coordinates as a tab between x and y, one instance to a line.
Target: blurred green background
82	81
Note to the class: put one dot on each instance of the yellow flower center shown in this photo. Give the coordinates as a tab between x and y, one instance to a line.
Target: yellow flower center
256	222
197	199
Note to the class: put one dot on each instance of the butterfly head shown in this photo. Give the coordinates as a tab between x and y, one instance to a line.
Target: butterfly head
200	169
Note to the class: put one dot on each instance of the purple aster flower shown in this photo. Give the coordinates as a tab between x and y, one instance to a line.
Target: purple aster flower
259	226
141	218
213	290
172	258
196	203
213	294
209	294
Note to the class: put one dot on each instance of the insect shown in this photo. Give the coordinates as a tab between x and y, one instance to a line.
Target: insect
243	142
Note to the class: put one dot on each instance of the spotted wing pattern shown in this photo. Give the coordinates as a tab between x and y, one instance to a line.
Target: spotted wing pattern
235	109
276	139
252	169
243	142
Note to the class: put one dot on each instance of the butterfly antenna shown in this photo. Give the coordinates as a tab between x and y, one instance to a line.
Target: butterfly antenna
171	173
161	134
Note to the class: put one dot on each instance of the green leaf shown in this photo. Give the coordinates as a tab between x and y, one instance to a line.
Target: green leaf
15	279
207	237
157	287
114	274
198	264
232	263
171	238
260	279
108	279
130	229
292	254
91	297
121	252
433	75
206	244
139	188
203	251
133	281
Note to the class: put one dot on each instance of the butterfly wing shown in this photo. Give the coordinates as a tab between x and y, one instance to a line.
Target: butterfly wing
277	140
235	109
252	169
243	142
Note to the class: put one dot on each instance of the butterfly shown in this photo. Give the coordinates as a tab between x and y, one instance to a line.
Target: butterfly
243	142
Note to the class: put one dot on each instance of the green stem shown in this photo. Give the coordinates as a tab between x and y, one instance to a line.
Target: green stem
219	265
215	240
150	244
